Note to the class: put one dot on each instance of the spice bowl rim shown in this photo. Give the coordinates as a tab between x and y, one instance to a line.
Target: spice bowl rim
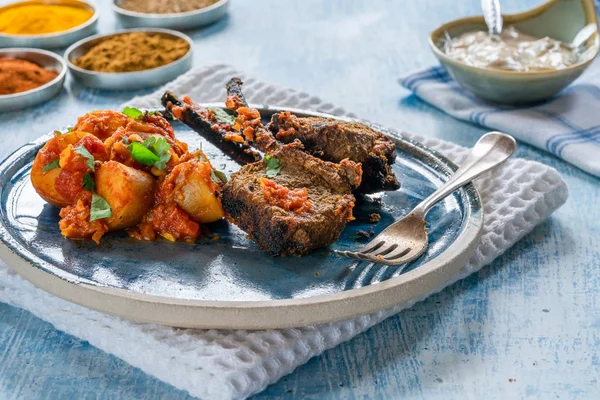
509	19
118	9
88	39
57	80
84	3
120	80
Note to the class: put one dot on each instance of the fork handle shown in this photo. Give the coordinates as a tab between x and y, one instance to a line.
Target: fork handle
491	150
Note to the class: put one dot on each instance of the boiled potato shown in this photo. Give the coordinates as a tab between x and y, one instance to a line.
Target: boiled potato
194	192
129	192
43	181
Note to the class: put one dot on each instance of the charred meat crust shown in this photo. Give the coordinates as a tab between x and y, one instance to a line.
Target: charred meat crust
241	153
283	232
334	140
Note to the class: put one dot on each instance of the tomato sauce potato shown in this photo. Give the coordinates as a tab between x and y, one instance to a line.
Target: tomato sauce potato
128	191
44	181
194	191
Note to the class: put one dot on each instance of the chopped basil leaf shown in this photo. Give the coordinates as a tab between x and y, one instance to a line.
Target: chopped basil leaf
132	112
142	154
218	176
100	208
153	152
222	116
160	147
82	151
273	166
88	182
52	165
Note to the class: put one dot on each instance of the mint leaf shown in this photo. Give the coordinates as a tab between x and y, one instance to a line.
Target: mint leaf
82	151
52	165
132	112
273	166
222	116
100	208
142	154
218	176
88	183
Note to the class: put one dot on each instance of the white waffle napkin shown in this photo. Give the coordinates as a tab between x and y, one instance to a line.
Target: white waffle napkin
220	364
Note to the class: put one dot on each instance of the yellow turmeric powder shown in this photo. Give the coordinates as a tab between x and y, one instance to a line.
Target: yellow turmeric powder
38	19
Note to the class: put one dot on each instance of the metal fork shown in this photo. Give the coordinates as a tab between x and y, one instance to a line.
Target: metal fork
406	239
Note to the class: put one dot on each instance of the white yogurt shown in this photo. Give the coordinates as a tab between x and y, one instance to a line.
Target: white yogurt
512	50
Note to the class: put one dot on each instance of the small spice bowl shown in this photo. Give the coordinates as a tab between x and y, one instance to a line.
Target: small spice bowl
558	19
180	21
45	59
51	40
127	80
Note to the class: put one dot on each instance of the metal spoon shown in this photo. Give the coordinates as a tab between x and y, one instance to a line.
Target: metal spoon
583	35
405	240
493	16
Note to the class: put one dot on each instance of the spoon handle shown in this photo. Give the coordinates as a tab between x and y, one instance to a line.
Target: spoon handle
491	150
492	15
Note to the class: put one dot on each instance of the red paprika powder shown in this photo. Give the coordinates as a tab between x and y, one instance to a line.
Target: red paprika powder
20	75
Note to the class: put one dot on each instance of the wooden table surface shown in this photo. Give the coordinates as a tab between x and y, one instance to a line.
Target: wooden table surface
527	326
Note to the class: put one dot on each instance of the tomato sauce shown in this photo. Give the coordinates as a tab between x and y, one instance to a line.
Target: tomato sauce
295	200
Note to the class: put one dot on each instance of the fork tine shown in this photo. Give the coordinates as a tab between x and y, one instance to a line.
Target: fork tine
371	246
384	251
398	253
351	254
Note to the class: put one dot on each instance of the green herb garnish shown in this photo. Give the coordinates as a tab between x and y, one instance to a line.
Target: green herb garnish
160	147
142	154
100	208
202	158
52	165
222	116
69	129
273	166
218	176
153	152
132	112
57	132
88	183
82	151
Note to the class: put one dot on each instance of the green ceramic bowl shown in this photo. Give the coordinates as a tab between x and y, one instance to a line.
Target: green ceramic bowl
558	19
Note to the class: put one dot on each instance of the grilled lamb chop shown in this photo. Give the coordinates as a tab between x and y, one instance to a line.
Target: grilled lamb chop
289	203
304	207
334	140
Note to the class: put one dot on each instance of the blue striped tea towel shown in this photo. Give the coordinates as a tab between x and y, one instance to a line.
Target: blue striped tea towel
567	126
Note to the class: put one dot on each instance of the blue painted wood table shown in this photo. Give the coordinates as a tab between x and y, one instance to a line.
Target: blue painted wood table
527	326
